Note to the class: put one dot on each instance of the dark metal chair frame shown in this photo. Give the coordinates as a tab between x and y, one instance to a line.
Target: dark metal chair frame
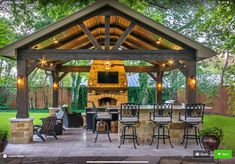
160	112
105	121
129	111
191	114
47	128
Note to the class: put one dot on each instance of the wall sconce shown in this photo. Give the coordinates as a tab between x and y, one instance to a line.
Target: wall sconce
55	85
159	86
20	81
107	65
192	81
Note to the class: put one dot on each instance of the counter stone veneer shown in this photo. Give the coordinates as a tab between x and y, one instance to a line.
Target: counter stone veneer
21	130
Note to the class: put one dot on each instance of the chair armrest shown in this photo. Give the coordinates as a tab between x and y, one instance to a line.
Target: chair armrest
37	126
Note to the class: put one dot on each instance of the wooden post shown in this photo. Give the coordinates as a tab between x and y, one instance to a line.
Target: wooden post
191	82
55	75
159	86
22	90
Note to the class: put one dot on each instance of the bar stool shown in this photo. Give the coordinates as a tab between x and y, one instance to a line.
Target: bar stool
129	116
162	116
102	127
192	117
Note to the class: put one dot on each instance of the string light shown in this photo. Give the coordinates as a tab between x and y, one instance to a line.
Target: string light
170	62
43	61
158	42
55	41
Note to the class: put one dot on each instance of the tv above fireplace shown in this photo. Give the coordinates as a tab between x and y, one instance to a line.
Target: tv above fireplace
108	77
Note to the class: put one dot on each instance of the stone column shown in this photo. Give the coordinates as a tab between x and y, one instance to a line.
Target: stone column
52	111
21	130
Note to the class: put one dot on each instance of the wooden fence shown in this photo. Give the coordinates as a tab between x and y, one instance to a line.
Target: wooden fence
223	103
40	97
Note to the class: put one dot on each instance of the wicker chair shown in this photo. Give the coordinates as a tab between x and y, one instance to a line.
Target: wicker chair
47	128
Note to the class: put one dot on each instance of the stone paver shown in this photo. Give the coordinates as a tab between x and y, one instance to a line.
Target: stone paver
79	142
77	145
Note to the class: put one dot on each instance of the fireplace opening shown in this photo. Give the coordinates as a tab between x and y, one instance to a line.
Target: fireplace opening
107	101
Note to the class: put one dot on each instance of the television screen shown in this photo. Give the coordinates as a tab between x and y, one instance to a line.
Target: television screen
108	77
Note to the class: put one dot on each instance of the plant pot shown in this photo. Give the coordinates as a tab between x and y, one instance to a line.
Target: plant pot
210	142
3	145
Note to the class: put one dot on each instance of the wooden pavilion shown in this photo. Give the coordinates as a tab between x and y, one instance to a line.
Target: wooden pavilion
105	30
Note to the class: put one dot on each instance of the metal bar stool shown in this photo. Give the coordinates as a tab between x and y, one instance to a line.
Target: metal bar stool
102	126
129	116
162	116
192	117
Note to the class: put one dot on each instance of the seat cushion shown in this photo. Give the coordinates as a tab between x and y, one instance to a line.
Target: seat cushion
129	119
103	115
191	119
161	119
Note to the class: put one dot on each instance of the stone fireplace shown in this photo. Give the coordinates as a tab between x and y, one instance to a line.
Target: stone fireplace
107	94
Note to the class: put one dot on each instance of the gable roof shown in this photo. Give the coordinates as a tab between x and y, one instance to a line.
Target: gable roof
202	51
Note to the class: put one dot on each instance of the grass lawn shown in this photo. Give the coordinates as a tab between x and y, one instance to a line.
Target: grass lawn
5	116
228	126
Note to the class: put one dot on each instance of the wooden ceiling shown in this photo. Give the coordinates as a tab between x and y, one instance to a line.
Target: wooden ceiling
75	38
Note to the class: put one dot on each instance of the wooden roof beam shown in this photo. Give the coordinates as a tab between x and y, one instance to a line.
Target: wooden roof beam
124	35
107	32
81	54
90	36
87	68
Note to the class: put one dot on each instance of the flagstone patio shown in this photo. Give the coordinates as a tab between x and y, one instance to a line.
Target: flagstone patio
77	142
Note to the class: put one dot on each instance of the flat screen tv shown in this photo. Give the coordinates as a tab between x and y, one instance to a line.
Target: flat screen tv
108	77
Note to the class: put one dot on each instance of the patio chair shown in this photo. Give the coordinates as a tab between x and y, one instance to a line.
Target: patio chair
161	117
192	117
129	117
59	122
47	128
71	119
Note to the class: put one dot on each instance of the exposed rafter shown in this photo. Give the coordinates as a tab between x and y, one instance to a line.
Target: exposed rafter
124	35
90	36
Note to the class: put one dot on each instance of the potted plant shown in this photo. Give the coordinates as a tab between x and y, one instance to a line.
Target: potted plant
3	139
211	137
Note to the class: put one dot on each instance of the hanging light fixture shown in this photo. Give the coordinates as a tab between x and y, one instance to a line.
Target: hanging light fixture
107	65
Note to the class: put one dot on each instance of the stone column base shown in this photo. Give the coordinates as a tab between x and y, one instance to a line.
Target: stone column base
52	111
21	130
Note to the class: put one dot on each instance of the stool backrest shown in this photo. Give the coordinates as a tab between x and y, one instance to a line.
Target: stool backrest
130	110
194	111
162	110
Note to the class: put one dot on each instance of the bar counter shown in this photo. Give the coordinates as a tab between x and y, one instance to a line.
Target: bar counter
145	126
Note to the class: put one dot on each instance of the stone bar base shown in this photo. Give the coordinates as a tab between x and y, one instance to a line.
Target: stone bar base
52	111
21	130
